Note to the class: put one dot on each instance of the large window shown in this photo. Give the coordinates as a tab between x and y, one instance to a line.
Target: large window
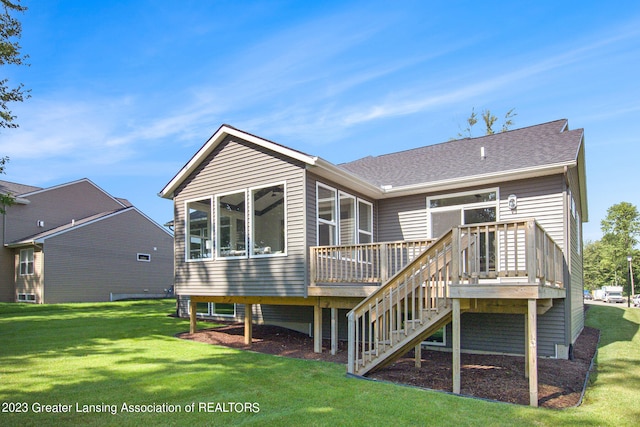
26	262
232	233
268	220
342	218
256	230
198	229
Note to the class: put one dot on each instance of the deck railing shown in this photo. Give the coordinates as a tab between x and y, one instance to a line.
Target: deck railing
520	249
415	302
363	263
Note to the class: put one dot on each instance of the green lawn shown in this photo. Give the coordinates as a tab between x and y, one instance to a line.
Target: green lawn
106	356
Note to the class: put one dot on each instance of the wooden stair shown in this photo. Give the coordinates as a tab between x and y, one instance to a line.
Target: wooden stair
404	311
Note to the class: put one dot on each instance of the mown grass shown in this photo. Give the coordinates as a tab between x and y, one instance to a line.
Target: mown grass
126	353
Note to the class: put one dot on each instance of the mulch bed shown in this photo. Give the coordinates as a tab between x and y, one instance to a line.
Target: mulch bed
501	378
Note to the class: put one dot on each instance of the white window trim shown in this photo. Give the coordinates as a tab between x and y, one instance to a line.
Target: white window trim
336	214
32	262
319	220
355	236
217	225
251	222
211	311
358	229
187	236
22	297
462	207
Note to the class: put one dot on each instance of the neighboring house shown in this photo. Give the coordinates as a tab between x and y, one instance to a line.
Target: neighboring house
471	243
76	243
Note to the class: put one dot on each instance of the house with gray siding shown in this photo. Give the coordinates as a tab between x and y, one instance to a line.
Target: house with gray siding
472	245
76	243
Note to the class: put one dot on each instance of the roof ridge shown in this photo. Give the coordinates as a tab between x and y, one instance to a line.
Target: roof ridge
457	140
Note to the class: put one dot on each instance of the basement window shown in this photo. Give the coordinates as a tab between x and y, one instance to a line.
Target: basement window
144	257
26	297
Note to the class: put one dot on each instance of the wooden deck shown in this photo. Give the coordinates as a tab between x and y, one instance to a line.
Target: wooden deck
414	288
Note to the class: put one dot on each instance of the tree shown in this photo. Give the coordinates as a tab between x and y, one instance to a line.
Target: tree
5	199
489	120
605	261
10	32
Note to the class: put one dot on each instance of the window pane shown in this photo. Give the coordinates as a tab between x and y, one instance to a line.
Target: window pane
268	206
326	204
224	309
479	215
231	223
463	200
365	220
347	219
199	229
326	234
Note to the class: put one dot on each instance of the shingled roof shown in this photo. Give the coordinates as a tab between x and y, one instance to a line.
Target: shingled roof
522	149
15	189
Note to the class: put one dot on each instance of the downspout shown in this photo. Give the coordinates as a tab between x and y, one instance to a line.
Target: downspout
567	256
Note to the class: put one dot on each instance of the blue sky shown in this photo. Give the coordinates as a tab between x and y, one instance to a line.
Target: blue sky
125	92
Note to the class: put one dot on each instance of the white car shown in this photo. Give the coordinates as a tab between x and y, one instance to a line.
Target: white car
636	300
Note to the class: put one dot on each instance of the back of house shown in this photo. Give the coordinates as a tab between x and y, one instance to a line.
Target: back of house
299	241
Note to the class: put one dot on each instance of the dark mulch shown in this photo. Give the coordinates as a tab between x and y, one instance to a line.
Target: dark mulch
560	382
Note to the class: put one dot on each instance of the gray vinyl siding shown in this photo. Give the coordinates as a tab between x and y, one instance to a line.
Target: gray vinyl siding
95	260
57	206
7	288
236	165
540	198
403	218
575	296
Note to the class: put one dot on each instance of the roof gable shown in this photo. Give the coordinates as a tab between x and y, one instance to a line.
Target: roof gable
215	140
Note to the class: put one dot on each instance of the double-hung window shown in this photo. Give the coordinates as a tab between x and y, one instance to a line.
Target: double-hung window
26	262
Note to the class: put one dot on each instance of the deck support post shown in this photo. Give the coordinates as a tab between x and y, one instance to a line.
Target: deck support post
192	316
248	324
526	346
418	355
317	328
455	326
532	351
334	331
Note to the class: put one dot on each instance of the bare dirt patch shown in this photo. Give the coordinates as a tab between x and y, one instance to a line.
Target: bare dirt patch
560	382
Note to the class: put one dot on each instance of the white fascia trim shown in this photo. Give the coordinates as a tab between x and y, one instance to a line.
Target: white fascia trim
214	141
474	180
330	171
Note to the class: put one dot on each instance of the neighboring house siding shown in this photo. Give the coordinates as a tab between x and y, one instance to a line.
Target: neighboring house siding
95	260
33	283
236	165
7	287
57	206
